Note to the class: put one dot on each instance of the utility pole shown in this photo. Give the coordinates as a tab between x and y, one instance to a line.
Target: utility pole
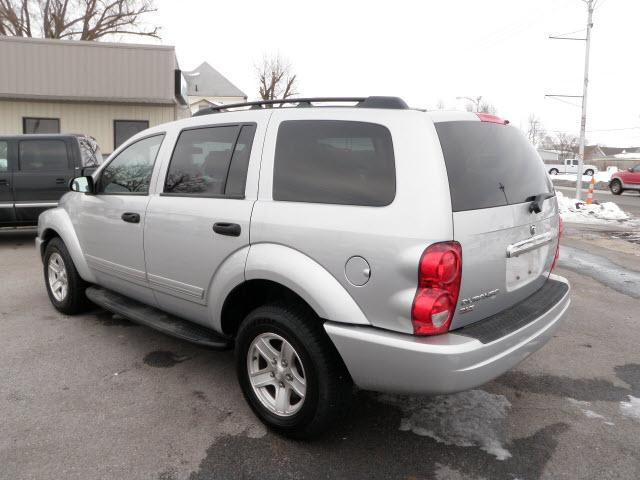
585	85
583	117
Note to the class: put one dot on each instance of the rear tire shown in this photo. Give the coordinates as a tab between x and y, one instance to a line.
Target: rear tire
553	171
64	286
616	187
304	387
589	173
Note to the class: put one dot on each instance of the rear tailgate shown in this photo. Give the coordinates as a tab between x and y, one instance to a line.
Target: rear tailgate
507	250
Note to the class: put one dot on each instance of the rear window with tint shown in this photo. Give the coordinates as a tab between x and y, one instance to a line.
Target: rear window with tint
337	162
490	165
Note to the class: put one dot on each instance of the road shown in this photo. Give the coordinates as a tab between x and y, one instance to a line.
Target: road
96	397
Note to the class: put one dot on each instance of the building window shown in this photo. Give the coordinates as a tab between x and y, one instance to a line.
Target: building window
123	130
40	125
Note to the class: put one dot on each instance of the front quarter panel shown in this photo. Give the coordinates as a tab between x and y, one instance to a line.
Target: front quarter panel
58	221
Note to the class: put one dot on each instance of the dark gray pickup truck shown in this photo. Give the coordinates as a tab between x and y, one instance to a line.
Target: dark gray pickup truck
35	171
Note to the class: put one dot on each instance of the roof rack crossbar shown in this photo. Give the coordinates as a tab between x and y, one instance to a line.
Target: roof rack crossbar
364	102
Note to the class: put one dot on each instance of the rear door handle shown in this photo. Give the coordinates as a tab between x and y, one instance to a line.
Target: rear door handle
60	181
224	228
131	217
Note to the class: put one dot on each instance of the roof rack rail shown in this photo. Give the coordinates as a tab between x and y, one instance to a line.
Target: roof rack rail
362	102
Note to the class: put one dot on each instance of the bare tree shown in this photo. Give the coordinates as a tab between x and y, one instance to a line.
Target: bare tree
535	130
565	143
75	19
276	78
487	108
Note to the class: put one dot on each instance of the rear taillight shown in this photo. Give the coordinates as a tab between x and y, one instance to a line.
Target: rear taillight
560	232
439	275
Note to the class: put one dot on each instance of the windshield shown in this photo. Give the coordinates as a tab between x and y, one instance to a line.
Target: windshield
490	165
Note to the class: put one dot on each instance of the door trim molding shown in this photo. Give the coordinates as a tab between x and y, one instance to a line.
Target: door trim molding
177	289
117	270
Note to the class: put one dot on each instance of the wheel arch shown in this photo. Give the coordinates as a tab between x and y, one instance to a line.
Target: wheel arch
274	272
56	223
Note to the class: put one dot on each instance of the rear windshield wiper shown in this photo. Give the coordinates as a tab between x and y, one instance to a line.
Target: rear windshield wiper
537	200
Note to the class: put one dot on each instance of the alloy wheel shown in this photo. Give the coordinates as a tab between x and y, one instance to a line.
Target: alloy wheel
58	280
276	374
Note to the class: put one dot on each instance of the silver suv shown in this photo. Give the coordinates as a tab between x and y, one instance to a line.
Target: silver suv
371	244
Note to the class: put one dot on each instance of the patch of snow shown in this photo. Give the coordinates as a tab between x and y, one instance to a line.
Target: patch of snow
582	406
466	419
600	176
631	408
576	211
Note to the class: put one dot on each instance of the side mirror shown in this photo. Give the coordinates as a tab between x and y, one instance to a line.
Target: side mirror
82	185
630	169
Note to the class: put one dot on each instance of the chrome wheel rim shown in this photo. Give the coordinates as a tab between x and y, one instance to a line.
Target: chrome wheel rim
276	374
58	280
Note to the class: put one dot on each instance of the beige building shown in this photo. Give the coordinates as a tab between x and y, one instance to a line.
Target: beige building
208	87
109	91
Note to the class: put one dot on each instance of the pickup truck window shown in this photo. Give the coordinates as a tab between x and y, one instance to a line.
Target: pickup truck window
130	172
202	161
43	155
337	162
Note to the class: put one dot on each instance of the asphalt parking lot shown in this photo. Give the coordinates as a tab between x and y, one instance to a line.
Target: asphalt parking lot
96	397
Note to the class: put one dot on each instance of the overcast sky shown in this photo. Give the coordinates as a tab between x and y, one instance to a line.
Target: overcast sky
428	50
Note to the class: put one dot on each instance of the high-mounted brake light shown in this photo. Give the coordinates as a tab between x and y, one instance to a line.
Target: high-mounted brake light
560	232
439	275
487	117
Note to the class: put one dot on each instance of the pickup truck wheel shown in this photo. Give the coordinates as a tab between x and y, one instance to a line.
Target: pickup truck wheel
64	285
553	171
289	371
616	187
589	173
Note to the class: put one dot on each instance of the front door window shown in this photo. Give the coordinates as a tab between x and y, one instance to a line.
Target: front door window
130	172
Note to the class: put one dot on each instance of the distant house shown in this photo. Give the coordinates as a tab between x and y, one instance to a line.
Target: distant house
549	155
109	91
207	87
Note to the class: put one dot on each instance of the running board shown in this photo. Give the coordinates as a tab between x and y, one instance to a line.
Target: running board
157	319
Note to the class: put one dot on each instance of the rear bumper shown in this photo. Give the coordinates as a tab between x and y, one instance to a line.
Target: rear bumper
394	362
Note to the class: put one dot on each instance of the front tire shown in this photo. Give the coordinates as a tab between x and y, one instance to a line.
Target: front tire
289	371
616	187
553	171
64	286
589	173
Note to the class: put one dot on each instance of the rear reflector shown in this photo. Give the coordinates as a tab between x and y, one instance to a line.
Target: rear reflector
439	275
487	117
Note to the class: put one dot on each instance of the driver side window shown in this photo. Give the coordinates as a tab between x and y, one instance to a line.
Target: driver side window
130	172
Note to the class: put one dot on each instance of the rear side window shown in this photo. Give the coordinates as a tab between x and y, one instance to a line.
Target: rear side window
43	155
337	162
490	165
210	161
